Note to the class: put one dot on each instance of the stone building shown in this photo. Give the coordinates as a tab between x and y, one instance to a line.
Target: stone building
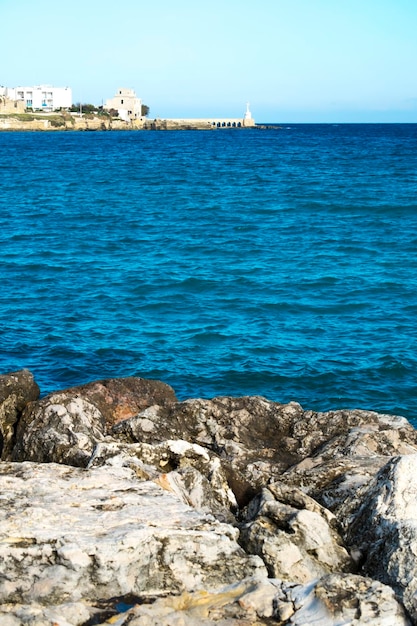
40	97
8	107
126	103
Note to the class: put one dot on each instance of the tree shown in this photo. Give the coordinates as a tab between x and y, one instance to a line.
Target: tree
84	108
145	110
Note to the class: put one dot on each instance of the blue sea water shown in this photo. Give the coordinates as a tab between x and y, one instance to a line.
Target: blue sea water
279	262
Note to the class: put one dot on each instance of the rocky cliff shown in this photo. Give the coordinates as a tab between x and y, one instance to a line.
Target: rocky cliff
61	122
122	505
90	122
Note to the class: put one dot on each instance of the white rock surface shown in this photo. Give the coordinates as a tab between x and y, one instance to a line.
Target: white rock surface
341	600
68	614
67	534
295	536
59	428
385	529
336	600
144	523
192	472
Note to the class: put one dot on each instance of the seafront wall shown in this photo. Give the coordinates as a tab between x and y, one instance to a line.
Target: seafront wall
56	122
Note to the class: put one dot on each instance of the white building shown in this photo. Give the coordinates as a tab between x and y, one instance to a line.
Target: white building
41	97
126	103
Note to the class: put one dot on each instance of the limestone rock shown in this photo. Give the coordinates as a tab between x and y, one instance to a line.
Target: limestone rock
64	427
362	443
128	491
316	429
120	398
61	428
334	600
334	482
248	422
339	599
259	440
164	456
17	389
250	434
296	537
34	614
385	529
192	472
69	534
246	603
196	490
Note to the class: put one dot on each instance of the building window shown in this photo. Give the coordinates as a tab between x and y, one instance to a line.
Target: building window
121	101
29	104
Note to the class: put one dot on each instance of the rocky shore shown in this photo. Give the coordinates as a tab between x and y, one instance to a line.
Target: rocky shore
60	122
89	122
122	505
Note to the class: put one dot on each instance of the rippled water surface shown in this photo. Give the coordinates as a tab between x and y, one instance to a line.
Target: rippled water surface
279	262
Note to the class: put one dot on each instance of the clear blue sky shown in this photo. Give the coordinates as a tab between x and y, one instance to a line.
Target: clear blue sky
293	60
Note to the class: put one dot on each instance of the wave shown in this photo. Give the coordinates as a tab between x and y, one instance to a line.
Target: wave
279	264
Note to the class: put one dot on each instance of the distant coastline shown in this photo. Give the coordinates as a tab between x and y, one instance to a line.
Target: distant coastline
64	121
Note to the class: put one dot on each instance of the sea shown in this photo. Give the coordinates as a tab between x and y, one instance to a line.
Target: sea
278	261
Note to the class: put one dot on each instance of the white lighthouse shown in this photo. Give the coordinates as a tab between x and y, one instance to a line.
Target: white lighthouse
247	119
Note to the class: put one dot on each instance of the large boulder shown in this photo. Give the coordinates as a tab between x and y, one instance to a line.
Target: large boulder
250	423
192	472
69	534
120	398
384	529
251	435
259	440
64	427
61	428
362	443
17	389
297	538
340	599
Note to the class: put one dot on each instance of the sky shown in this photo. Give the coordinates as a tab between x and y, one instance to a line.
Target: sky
292	60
